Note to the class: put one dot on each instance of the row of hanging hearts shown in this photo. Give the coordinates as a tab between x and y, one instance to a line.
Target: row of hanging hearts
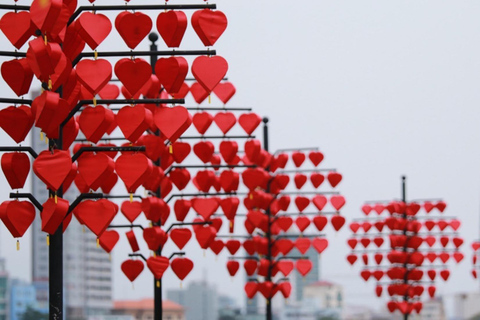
93	28
303	266
268	289
409	290
442	224
430	256
410	209
416	258
413	242
405	307
396	273
181	266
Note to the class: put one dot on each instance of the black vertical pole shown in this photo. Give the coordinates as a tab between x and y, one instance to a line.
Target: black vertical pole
157	283
404	199
269	233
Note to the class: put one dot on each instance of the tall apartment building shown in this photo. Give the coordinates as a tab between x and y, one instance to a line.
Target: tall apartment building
87	271
199	300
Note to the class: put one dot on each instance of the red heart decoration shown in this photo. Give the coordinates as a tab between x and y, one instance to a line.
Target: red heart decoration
228	150
317	179
303	266
158	265
300	180
132	268
458	256
334	178
320	222
108	240
445	274
180	177
209	25
441	206
205	207
95	169
53	213
209	71
181	208
217	246
378	242
302	223
180	236
171	73
298	158
133	169
250	266
133	73
133	27
302	245
15	166
229	207
134	121
366	209
284	246
16	122
233	267
155	237
229	180
252	148
18	75
204	150
284	223
337	202
378	257
315	157
205	235
94	75
96	215
232	246
224	91
17	27
454	224
131	210
352	258
181	267
180	151
337	222
365	274
52	169
320	244
202	121
132	240
94	122
198	92
249	122
225	121
319	201
172	122
49	16
251	289
172	25
93	28
17	216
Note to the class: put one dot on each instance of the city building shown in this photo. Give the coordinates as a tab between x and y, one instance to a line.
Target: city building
433	309
466	305
4	289
22	297
87	269
199	300
143	309
298	281
324	294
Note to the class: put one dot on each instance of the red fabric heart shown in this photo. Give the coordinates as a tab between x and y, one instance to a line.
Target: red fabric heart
15	166
134	121
16	122
302	223
133	27
172	122
50	111
320	222
181	267
95	169
171	73
109	183
298	158
132	240
49	15
224	91
232	267
317	179
205	207
133	169
302	244
172	25
131	210
209	71
202	121
319	201
53	213
96	215
250	266
155	237
198	92
133	74
204	150
180	236
110	91
225	121
180	177
301	202
334	178
180	150
205	236
94	122
249	122
209	25
94	75
233	246
181	208
229	207
229	180
337	222
155	209
217	246
108	240
17	27
251	289
254	178
320	244
303	266
337	202
158	265
18	75
52	169
315	157
132	268
93	28
17	216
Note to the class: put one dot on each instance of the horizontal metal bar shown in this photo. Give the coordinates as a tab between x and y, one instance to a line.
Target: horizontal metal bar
107	196
96	149
208	166
133	101
14	149
125	226
137	255
306	170
281	214
215	137
217	109
14	7
13	54
82	197
233	236
140	7
295	149
187	224
28	196
308	192
205	195
176	254
280	236
16	101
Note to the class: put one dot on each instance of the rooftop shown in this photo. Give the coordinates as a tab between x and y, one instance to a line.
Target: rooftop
145	304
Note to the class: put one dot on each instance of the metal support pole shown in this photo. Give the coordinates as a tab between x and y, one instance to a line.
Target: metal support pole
404	199
269	231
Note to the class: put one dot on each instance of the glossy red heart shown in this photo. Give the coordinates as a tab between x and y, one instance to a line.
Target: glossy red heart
94	75
198	92
18	75
172	122
319	201
254	178
158	265
93	28
108	240
229	180
131	210
303	266
302	244
17	216
205	207
134	121
96	215
180	150
320	222
16	122
172	25
17	27
302	223
132	268
95	169
15	166
316	157
249	122
53	213
317	179
298	158
155	209
133	27
181	208
171	73
209	25
217	246
133	73
209	71
52	169
180	177
224	91
180	236
181	267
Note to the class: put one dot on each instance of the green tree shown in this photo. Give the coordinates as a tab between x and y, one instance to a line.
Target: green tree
32	314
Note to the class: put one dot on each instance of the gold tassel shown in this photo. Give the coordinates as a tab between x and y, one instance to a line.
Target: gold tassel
158	283
170	149
95	54
94	101
42	137
209	99
46	140
131	197
45	39
50	85
18	245
48	240
83	229
98	243
56	199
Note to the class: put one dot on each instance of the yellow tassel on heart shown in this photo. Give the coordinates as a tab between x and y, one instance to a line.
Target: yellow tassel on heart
158	283
231	224
50	86
268	302
46	140
18	245
98	243
95	54
45	36
131	197
170	149
42	137
154	254
48	240
209	98
56	199
94	100
83	229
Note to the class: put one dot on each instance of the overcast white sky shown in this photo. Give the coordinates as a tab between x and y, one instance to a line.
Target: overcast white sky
384	88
